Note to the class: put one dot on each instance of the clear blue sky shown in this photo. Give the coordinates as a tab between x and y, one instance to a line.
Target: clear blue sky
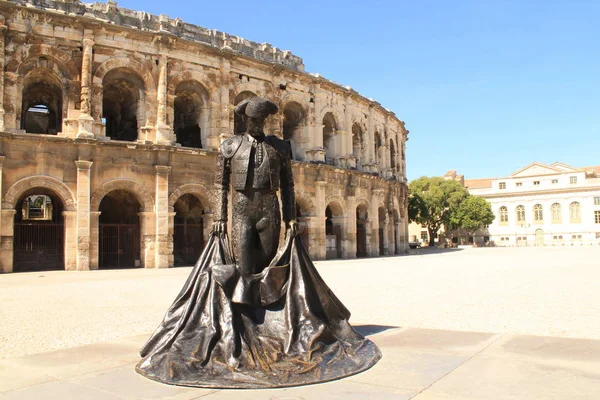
485	87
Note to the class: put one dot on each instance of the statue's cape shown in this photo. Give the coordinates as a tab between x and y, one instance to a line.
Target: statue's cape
282	327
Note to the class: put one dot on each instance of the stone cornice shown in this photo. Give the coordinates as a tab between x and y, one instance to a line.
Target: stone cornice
159	29
540	192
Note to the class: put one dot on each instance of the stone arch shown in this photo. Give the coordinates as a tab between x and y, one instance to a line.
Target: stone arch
57	186
196	189
239	126
189	112
334	198
245	87
41	99
128	63
306	204
202	79
330	127
140	192
25	55
293	121
364	202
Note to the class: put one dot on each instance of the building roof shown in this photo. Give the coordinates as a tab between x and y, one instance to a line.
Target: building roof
478	183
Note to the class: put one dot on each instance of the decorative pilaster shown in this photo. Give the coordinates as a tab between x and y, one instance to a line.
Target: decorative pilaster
94	240
2	58
70	256
163	131
7	234
86	121
319	221
226	129
163	246
83	220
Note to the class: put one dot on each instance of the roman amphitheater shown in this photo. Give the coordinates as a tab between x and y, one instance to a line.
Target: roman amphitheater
109	124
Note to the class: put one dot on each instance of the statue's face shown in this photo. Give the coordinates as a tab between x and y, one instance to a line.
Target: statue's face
255	125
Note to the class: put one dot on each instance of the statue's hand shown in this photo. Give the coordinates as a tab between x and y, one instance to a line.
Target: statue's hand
220	227
292	228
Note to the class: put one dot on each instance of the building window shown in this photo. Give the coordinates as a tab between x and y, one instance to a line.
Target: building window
554	181
502	185
538	216
575	212
557	237
597	217
503	215
536	183
521	214
424	236
597	235
37	207
556	219
519	184
597	201
575	237
573	179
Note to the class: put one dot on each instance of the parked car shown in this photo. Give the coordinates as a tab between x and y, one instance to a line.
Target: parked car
415	244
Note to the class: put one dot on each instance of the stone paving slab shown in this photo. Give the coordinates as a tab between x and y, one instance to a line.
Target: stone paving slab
419	364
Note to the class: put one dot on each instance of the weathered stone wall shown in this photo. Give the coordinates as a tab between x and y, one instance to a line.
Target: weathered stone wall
140	104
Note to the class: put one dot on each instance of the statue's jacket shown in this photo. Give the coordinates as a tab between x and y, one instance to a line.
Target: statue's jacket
273	174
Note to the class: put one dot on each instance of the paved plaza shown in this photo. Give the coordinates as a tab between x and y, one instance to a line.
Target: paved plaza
491	323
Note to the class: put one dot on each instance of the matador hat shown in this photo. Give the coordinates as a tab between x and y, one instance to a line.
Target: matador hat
256	107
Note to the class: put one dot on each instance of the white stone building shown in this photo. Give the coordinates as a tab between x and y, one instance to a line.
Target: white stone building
543	205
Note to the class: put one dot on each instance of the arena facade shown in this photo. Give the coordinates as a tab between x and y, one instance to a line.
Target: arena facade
109	124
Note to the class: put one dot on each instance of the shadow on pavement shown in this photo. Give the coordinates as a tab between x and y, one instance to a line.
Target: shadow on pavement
368	330
425	251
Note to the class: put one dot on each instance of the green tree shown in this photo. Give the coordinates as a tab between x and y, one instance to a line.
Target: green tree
472	213
439	198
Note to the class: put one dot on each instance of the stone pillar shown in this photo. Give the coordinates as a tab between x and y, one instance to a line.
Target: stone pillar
83	214
94	240
71	245
2	62
7	233
341	221
320	206
163	243
147	239
164	132
351	227
225	129
86	121
1	188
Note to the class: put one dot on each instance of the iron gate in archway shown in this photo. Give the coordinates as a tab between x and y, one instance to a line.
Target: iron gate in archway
38	247
119	245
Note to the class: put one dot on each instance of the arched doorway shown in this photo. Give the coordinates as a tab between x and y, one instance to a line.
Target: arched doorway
333	230
361	230
357	145
239	126
190	114
539	237
188	236
119	226
122	104
396	226
42	103
39	232
293	124
329	131
382	218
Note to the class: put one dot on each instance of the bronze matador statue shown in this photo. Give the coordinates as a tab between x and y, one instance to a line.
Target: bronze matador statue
260	316
257	166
